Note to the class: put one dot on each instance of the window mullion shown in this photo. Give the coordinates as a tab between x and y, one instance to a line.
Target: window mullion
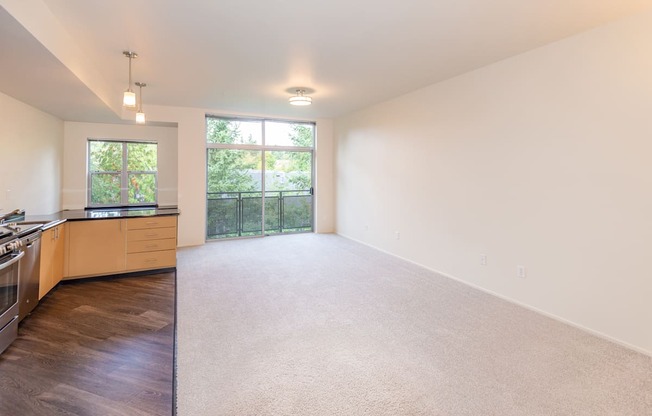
233	146
263	170
124	191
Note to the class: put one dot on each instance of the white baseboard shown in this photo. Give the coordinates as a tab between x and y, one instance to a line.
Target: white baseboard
508	299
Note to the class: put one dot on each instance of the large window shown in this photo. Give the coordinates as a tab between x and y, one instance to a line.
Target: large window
122	173
259	177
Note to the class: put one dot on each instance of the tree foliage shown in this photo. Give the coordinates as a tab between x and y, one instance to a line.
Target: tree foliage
229	170
292	170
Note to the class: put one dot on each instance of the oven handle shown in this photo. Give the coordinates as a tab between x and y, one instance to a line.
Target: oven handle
14	258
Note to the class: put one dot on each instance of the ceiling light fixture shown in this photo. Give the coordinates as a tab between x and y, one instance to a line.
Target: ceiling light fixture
140	116
129	97
300	99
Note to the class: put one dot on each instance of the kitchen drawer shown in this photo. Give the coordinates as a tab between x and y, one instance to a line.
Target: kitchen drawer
151	222
152	260
151	234
151	245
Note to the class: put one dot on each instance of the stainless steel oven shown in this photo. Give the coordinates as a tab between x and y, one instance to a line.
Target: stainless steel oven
29	235
10	256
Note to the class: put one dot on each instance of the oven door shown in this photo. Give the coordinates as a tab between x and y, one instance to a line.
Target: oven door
9	287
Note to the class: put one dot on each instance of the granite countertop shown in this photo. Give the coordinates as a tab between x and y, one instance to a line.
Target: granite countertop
57	218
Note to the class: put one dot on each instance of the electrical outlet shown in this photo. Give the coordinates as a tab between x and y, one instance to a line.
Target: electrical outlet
483	259
520	272
398	235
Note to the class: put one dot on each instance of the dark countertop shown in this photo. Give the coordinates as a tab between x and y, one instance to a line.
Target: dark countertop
52	220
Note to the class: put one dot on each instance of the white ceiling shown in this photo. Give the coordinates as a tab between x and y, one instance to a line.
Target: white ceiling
243	56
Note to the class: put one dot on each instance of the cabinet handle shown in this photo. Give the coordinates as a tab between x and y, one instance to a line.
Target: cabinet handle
153	260
151	235
151	246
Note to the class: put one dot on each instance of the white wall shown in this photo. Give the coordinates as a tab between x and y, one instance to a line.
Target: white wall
75	157
30	160
191	166
324	177
542	160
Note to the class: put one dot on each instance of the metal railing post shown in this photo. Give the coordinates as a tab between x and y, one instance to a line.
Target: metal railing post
240	216
281	212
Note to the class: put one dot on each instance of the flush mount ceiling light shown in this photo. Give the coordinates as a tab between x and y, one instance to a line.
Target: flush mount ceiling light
129	97
300	98
140	116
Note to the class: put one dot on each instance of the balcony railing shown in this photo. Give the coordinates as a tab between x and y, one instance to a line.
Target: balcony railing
237	214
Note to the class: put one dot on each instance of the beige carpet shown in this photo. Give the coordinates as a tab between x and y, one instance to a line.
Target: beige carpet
319	325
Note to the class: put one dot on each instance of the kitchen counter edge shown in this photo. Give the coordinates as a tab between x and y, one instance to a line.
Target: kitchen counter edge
52	220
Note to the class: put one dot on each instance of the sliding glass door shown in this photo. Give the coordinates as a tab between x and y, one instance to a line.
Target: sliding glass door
288	191
259	177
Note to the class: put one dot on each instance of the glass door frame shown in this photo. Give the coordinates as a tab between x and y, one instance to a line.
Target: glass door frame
263	148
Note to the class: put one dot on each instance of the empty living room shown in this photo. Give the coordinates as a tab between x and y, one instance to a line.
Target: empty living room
338	208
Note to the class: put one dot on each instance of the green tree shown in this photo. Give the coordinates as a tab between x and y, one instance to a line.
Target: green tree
301	162
142	167
301	135
229	170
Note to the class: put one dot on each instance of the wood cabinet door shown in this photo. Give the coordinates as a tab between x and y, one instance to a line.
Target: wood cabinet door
96	247
47	257
58	255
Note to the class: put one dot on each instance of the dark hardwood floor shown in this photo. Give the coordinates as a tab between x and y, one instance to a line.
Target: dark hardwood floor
100	347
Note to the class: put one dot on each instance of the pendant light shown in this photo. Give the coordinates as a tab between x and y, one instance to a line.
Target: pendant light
300	98
140	116
129	97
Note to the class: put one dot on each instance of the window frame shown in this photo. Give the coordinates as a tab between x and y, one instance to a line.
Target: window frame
263	145
124	175
263	148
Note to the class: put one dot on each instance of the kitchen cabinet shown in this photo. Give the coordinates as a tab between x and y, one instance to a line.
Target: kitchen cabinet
95	247
151	243
52	258
113	246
